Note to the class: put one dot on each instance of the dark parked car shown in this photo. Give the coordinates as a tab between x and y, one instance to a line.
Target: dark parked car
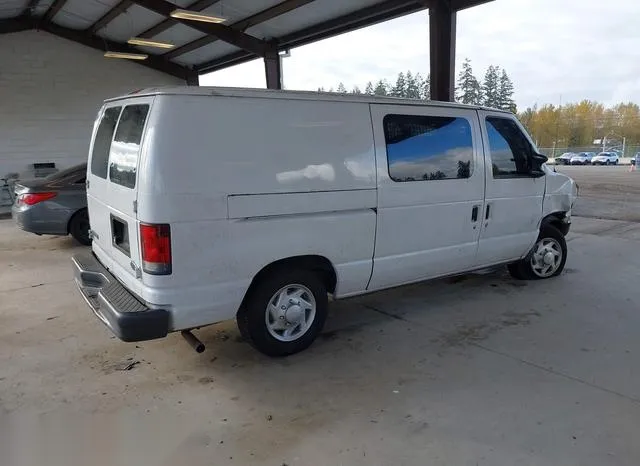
565	159
56	205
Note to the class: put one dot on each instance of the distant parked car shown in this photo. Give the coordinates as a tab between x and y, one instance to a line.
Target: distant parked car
565	159
56	205
582	158
635	160
605	158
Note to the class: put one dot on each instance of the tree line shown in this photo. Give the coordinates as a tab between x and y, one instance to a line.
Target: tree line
578	125
496	89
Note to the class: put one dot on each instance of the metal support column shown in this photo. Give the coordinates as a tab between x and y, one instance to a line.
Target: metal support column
193	79
272	69
442	41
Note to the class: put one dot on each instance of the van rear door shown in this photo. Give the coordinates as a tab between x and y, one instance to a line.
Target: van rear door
112	187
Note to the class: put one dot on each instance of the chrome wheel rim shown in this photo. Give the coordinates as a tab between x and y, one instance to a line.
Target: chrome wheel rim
546	258
290	312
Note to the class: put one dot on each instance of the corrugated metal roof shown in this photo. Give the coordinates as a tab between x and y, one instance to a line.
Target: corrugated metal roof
285	22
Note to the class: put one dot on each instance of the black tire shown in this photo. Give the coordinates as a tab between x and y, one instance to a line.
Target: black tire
252	316
524	270
79	227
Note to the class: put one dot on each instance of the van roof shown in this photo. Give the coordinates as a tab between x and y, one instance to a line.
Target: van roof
292	95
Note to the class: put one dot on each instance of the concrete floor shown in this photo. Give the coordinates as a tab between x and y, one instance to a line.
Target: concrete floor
475	370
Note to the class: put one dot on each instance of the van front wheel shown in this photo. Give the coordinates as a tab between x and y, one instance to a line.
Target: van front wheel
284	313
545	260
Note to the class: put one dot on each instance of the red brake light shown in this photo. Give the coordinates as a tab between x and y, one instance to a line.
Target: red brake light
34	198
155	241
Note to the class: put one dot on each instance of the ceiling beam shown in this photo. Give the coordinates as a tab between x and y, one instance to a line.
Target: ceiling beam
98	43
374	14
225	33
18	24
29	9
110	15
159	28
242	25
53	10
364	17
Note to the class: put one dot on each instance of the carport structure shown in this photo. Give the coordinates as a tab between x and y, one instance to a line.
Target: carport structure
251	29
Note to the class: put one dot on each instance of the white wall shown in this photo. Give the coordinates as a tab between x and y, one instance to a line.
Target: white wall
50	92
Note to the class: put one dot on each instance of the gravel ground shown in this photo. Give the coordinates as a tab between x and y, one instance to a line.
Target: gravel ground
606	192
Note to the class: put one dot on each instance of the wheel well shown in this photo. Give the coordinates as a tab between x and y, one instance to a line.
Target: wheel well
72	217
319	264
556	220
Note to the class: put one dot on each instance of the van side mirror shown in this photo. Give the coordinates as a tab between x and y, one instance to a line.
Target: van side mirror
537	160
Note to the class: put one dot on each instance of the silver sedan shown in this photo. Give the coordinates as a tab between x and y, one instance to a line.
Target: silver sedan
56	205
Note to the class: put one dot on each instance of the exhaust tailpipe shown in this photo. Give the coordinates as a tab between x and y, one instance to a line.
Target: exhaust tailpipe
193	341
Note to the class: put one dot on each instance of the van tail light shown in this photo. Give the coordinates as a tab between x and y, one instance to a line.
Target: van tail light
34	198
155	241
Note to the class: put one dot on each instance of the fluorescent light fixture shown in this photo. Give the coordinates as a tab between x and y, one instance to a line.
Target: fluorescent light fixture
129	56
150	43
196	16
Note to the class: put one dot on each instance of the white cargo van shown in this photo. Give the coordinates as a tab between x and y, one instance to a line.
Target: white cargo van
208	204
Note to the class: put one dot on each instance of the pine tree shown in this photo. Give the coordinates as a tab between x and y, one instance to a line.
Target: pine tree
490	87
369	89
321	89
505	93
341	88
468	91
381	88
400	89
413	86
425	88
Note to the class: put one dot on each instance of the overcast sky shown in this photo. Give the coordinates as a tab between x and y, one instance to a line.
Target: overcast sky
552	50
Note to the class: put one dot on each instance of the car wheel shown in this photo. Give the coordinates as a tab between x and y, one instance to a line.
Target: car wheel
284	313
79	227
545	260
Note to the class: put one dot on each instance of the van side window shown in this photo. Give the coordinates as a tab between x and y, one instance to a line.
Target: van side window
428	147
102	142
509	149
126	145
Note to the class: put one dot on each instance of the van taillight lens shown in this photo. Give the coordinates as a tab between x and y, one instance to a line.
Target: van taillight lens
155	241
34	198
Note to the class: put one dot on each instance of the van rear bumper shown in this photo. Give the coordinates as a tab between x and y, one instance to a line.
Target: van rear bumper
114	305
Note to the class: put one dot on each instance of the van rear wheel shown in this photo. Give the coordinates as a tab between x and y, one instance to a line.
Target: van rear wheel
545	260
284	313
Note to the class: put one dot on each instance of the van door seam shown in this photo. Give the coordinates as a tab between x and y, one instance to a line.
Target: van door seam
377	210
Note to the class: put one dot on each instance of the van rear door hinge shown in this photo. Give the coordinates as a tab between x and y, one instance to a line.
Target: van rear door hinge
135	207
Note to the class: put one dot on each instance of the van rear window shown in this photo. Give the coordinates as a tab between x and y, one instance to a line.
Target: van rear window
126	145
102	142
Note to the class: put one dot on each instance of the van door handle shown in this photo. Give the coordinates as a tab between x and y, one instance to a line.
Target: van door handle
474	214
487	211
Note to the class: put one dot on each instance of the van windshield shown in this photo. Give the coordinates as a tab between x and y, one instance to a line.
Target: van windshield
125	147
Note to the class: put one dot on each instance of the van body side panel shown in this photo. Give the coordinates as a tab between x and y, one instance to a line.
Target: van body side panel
245	182
426	225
